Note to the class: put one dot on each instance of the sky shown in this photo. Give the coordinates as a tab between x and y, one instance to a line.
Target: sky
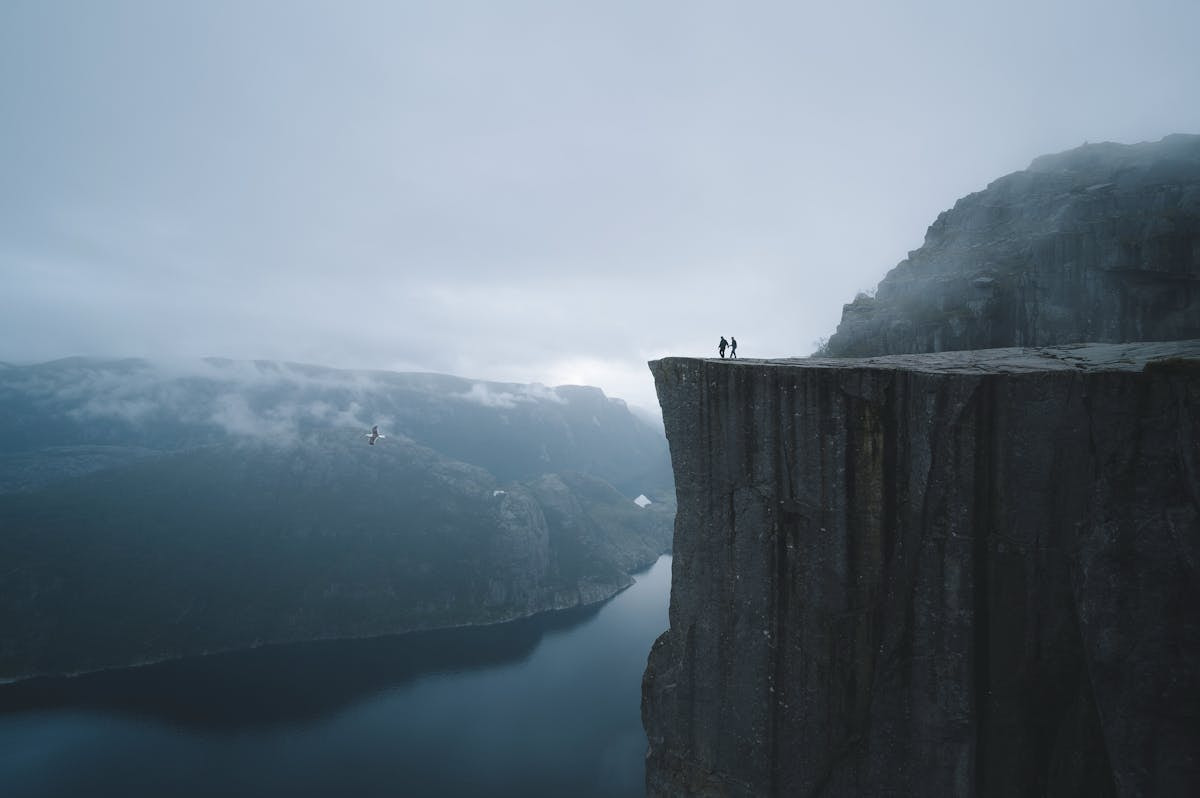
549	192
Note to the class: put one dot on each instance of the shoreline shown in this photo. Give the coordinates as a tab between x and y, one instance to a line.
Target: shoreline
610	591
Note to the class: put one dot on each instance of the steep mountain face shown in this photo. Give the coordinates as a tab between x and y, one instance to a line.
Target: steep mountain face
1100	243
968	574
149	512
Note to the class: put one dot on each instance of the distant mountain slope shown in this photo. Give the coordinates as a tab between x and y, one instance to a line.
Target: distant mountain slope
516	431
1100	243
167	514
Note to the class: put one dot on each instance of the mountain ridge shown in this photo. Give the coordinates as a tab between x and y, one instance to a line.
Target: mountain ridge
151	515
1100	243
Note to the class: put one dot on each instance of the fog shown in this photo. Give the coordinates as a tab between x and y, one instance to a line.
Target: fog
279	403
522	191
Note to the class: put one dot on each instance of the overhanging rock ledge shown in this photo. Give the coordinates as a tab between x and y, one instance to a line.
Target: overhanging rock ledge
963	573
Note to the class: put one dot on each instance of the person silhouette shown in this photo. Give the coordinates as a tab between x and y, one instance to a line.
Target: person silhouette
721	346
732	346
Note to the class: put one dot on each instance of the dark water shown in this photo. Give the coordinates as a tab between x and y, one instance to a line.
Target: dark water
543	707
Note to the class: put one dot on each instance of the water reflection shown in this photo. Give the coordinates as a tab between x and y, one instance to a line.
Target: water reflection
284	684
548	706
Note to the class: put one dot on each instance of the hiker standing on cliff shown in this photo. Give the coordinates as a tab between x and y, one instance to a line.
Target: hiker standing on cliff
721	346
732	347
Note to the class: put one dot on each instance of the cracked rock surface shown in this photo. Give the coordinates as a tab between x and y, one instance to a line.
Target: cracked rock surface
964	573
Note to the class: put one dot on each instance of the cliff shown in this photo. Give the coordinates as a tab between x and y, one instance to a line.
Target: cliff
968	574
1099	243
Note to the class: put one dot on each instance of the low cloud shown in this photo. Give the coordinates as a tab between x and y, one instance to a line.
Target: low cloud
510	396
250	400
131	410
233	414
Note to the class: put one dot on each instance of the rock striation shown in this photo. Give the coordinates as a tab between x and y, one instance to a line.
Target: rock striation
967	573
1099	243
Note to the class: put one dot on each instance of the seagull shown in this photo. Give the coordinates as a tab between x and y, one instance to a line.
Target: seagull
373	435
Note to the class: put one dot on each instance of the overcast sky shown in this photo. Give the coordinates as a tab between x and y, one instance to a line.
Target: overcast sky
523	191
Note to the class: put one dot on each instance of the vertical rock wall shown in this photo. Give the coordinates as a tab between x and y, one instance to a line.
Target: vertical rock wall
963	574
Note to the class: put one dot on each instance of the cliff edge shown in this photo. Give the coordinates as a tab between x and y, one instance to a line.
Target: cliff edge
967	573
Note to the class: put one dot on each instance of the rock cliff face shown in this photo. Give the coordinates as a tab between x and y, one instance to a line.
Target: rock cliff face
1100	243
967	574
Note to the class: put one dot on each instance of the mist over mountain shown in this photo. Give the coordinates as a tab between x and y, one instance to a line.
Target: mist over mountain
1098	243
152	510
515	430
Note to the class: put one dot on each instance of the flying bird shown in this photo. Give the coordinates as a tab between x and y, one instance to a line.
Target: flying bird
373	435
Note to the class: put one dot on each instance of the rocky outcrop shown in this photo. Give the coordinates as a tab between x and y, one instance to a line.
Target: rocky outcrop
1100	243
967	574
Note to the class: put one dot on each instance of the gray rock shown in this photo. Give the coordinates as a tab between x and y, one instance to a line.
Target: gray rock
1100	243
967	574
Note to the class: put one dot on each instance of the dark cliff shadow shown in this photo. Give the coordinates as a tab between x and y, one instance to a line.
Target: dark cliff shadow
285	684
